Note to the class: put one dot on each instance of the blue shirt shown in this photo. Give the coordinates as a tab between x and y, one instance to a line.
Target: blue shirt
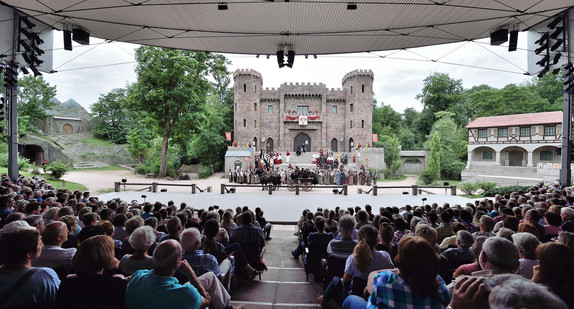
202	262
148	290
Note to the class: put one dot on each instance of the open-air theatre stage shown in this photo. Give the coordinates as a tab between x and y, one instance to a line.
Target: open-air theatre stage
284	206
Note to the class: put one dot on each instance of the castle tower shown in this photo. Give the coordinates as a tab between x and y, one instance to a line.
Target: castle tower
247	97
358	88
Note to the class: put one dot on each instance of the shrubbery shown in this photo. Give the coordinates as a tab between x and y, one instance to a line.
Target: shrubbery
506	190
23	163
57	169
204	172
468	187
426	177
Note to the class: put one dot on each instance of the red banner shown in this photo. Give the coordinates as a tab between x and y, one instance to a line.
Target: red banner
228	136
295	117
375	138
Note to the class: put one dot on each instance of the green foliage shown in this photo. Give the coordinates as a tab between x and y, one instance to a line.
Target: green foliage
453	145
171	89
452	169
469	188
433	165
485	185
385	116
204	172
139	141
23	163
57	169
440	93
151	165
392	152
98	142
426	177
34	98
505	190
111	116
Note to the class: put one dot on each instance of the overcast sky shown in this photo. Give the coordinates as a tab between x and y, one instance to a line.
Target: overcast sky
89	71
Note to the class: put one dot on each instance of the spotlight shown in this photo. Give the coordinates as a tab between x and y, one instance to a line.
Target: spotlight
306	56
222	6
556	58
257	56
28	23
24	70
280	58
290	58
542	72
268	56
351	6
315	56
556	33
555	22
556	45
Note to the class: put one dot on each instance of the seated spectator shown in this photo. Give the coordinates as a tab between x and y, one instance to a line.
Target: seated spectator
533	217
265	226
160	289
153	223
415	282
498	256
429	234
386	236
462	254
566	238
20	245
90	287
71	225
346	244
450	242
567	216
119	222
468	269
553	225
251	239
516	292
141	240
527	244
528	228
364	260
174	229
556	270
444	230
317	243
485	226
53	255
308	227
228	224
199	261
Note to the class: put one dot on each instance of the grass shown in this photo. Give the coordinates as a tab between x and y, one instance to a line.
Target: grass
98	142
103	168
391	178
451	182
57	183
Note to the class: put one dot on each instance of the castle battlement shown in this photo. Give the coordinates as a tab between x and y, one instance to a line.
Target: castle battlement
357	73
251	72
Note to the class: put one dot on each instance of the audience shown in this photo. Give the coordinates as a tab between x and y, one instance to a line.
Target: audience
140	240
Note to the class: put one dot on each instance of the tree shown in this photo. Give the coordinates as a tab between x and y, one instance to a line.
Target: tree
139	141
453	145
509	100
385	116
209	144
34	98
392	153
111	116
171	88
433	165
549	87
439	93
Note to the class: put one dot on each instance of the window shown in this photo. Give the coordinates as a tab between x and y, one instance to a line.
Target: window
351	107
255	123
362	123
546	156
481	133
269	109
244	123
254	107
235	106
487	155
255	89
351	89
334	109
302	110
524	131
363	88
549	130
351	124
244	87
503	132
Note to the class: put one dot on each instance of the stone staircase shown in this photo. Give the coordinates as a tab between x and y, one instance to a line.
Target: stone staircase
83	165
284	285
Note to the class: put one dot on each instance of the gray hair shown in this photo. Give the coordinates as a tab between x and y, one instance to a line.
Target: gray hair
517	292
501	253
142	238
568	211
190	238
51	213
347	225
465	239
526	243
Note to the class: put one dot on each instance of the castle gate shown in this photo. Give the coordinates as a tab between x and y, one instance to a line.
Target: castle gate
301	139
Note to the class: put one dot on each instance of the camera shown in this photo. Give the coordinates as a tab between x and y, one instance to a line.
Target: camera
144	196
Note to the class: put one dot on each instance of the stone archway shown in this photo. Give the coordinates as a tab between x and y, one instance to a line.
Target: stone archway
269	146
351	144
34	153
67	129
335	145
515	158
302	139
254	144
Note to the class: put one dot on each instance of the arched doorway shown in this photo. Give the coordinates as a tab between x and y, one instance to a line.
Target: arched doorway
254	144
34	153
67	129
351	144
269	146
300	140
334	145
515	158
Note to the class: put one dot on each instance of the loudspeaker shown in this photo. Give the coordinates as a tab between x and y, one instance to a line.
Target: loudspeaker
81	36
67	40
499	36
513	40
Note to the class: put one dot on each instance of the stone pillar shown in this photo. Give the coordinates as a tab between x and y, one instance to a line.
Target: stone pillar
529	160
497	158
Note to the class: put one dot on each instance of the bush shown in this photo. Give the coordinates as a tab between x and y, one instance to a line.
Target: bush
219	166
468	187
452	169
426	177
23	163
485	185
506	190
204	172
57	169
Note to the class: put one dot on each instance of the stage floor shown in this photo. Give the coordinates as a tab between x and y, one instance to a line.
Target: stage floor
285	207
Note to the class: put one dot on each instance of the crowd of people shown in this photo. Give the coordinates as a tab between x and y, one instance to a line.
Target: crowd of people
513	251
64	249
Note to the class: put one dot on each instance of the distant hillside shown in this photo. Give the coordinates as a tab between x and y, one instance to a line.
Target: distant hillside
69	108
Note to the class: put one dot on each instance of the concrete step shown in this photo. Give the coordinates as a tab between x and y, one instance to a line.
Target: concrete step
83	165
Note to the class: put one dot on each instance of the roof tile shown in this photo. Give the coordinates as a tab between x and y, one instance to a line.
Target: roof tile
516	120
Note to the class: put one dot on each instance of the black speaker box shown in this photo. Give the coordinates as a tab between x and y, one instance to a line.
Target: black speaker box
497	37
81	36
